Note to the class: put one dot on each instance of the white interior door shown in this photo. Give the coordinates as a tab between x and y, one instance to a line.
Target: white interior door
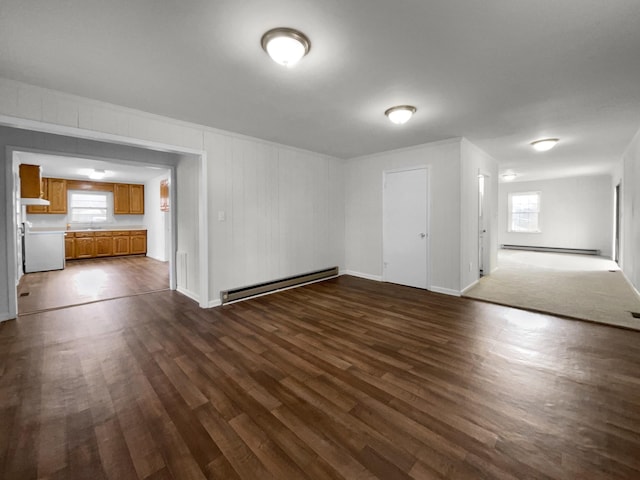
405	232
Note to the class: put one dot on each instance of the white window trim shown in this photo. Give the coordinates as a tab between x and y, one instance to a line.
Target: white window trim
510	214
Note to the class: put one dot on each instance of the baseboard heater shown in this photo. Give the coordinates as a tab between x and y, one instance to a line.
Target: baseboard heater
581	251
259	288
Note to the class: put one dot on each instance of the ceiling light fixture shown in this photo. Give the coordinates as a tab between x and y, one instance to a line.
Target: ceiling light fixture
544	144
507	177
97	174
285	46
400	114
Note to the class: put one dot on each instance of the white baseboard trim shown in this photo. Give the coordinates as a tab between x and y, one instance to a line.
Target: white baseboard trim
4	316
187	293
446	291
469	287
215	303
367	276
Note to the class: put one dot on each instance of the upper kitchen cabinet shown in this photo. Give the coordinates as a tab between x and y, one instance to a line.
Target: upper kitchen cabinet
128	199
136	199
57	195
44	192
54	190
30	181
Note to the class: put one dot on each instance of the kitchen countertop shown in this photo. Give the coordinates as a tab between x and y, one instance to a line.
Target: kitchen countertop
74	230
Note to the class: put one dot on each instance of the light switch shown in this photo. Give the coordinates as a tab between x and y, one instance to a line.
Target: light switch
221	216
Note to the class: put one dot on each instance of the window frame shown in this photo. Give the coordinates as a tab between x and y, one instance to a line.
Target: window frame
109	216
510	212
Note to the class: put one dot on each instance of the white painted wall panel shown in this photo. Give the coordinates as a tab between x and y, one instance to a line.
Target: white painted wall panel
630	222
576	212
363	244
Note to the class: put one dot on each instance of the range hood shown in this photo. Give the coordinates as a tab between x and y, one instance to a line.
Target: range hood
34	201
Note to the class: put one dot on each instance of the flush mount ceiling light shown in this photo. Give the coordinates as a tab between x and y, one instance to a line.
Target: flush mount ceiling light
507	177
285	46
544	144
400	114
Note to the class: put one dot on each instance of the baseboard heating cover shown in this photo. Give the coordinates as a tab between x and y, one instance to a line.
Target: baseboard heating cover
260	288
581	251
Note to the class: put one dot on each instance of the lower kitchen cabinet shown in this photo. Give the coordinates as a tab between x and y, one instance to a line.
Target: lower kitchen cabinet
121	245
105	243
84	247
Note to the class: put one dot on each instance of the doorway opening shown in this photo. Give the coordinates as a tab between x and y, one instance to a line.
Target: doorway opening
616	225
484	260
98	239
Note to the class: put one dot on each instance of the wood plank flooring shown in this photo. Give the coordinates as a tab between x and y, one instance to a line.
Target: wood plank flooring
88	280
343	379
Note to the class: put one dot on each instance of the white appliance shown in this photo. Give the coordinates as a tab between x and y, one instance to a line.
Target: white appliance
43	251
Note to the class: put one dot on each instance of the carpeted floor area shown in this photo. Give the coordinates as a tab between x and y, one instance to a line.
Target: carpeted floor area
577	286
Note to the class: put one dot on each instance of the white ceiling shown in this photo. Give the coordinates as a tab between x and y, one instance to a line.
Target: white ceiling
500	72
57	166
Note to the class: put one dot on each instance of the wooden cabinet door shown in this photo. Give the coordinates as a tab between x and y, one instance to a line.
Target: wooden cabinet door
85	247
45	193
121	200
136	199
121	245
30	182
57	195
138	244
104	246
69	250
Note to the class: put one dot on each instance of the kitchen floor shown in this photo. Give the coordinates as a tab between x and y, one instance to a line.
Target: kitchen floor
90	280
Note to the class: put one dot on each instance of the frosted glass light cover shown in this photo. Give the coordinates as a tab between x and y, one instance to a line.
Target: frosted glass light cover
400	114
544	145
285	51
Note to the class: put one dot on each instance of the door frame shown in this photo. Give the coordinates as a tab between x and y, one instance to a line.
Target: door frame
10	228
427	168
617	230
488	217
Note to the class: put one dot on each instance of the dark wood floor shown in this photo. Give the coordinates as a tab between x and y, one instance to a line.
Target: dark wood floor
343	379
89	280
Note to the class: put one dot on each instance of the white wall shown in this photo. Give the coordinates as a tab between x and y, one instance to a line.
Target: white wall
285	206
283	211
630	209
576	212
363	239
157	222
474	162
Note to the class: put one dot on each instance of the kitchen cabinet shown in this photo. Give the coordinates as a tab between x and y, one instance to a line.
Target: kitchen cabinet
138	242
84	245
54	190
57	195
104	244
164	195
30	181
121	243
69	250
128	199
136	199
121	199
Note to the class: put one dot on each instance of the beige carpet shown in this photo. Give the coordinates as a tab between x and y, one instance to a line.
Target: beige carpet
578	286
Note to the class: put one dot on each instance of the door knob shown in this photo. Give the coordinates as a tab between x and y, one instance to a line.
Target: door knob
422	235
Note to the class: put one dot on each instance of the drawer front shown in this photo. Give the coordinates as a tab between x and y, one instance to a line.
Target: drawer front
104	234
69	234
84	234
123	233
138	232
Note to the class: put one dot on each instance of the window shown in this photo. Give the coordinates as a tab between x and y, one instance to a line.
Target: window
524	212
90	207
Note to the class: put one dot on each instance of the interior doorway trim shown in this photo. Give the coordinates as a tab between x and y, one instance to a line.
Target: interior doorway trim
38	126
